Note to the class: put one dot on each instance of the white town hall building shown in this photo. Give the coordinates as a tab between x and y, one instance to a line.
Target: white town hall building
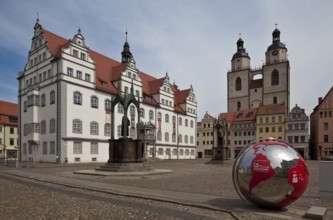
65	96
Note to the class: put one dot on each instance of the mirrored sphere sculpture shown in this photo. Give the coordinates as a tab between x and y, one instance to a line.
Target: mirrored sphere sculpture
270	174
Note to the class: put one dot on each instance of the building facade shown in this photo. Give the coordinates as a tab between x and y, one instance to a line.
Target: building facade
321	124
270	84
65	96
244	129
271	122
205	136
8	130
297	131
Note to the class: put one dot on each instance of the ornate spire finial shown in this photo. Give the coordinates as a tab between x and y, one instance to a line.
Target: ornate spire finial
79	31
240	35
37	17
126	35
275	25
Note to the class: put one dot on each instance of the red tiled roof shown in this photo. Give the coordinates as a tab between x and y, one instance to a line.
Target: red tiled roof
8	110
271	109
181	95
227	115
104	71
245	115
109	70
55	43
155	85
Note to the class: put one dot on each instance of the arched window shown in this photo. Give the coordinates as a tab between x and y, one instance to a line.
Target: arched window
107	104
42	100
77	98
52	97
52	125
174	137
238	105
191	124
274	100
94	128
173	119
43	127
180	121
180	138
120	108
186	122
238	84
166	137
151	114
142	113
275	77
159	116
191	140
77	126
94	101
186	139
132	111
166	118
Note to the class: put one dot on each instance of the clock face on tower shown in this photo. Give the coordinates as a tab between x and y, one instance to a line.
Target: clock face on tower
275	52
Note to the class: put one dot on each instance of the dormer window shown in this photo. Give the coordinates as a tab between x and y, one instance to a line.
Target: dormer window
79	42
134	76
129	75
104	84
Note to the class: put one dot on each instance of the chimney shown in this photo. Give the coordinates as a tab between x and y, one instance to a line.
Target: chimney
320	99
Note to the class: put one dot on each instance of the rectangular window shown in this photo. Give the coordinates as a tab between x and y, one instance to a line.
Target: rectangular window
280	118
44	148
260	130
280	128
44	75
93	148
75	53
107	129
94	128
273	129
325	138
69	71
87	77
77	147
273	118
83	56
325	126
52	147
78	74
11	141
160	151
12	130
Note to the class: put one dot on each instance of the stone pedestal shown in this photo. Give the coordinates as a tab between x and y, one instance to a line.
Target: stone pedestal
126	150
125	155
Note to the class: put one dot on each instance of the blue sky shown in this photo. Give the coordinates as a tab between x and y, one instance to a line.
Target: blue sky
192	40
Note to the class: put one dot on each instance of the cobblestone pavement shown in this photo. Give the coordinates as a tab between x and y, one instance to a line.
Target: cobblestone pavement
193	176
28	199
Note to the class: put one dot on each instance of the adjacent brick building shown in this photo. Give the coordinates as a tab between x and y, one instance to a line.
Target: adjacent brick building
321	123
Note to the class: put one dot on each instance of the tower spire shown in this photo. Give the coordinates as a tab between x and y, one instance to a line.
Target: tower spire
126	55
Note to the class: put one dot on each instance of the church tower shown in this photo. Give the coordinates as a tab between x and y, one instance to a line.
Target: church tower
238	79
276	73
